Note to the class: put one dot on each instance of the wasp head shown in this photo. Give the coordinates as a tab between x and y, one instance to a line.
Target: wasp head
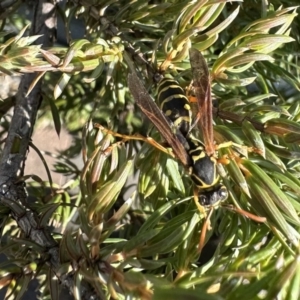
214	196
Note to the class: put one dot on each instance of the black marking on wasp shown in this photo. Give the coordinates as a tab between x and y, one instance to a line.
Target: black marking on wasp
204	175
175	105
173	121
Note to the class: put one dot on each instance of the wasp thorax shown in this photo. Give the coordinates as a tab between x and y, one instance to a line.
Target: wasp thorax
204	167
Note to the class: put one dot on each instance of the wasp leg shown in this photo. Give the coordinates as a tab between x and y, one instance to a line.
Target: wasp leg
190	93
224	160
246	214
136	137
244	150
230	144
199	206
205	227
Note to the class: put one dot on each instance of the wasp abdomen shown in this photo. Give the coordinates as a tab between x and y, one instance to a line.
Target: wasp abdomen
175	104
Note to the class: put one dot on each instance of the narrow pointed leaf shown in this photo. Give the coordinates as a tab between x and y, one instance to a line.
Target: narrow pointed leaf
292	138
220	27
235	172
246	58
292	182
34	82
17	208
281	126
71	247
47	214
173	170
274	159
108	193
53	285
259	98
201	45
73	50
55	116
294	286
254	138
190	13
262	198
282	73
271	108
261	42
50	57
157	215
139	240
77	285
23	283
219	65
282	279
117	216
167	240
96	73
234	82
61	84
183	294
269	186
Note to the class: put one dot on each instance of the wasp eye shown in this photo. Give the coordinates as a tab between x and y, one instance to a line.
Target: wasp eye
204	200
223	193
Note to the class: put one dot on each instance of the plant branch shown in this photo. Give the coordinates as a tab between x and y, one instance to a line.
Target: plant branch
12	190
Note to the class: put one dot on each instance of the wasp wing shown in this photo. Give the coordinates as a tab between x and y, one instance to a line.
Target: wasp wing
202	88
149	108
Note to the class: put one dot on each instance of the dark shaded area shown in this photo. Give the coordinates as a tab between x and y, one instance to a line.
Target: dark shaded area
209	249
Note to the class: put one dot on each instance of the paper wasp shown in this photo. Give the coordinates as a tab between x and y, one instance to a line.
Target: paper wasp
174	122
